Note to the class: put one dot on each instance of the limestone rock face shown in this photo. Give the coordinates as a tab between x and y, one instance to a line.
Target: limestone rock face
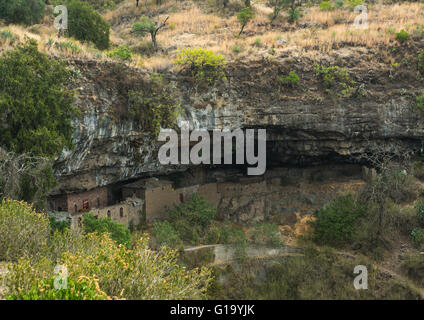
305	124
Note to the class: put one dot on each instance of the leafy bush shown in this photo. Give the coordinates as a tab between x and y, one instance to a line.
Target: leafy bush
56	225
121	52
166	235
81	289
326	6
236	48
291	80
22	11
192	218
118	231
336	223
23	232
116	271
35	102
419	165
353	3
86	24
154	105
68	46
339	4
225	234
402	36
417	237
294	14
202	64
420	211
266	234
335	77
96	4
7	34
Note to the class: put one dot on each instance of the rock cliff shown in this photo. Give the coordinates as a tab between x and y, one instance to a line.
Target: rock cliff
305	123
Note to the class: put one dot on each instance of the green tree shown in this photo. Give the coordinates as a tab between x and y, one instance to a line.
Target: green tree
202	64
86	24
118	231
35	107
22	11
192	218
244	16
148	26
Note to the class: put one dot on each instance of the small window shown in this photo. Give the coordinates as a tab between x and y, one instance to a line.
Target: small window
85	204
121	212
181	197
75	208
108	213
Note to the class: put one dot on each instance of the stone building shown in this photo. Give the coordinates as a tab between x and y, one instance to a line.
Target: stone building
80	202
158	195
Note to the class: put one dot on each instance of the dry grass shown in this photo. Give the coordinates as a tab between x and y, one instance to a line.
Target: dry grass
190	26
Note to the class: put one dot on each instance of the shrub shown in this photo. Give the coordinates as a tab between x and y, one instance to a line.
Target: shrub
22	11
294	14
226	234
68	46
420	101
121	52
23	232
236	49
7	34
96	4
202	64
353	3
56	225
81	289
118	231
166	235
417	237
402	36
86	24
326	6
258	42
336	223
335	77
339	4
192	218
117	272
419	165
244	16
420	211
266	234
35	102
291	80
